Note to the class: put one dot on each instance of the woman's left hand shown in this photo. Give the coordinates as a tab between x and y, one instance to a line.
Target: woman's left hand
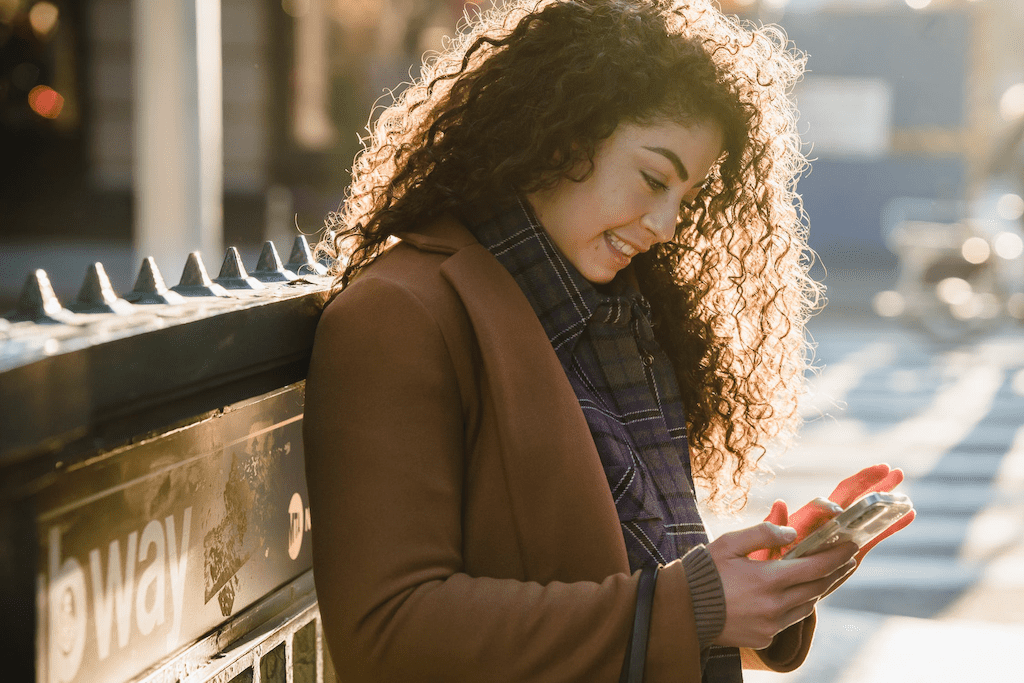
817	512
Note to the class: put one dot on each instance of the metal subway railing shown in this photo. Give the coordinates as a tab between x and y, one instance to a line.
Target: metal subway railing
286	648
152	487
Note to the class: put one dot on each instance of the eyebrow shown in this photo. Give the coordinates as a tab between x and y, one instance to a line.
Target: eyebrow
672	157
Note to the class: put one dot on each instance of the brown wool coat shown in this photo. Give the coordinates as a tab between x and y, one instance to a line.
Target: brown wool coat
463	528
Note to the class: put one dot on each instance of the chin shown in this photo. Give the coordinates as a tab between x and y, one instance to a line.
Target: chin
600	278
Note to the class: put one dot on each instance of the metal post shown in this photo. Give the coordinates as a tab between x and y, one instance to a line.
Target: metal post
312	123
178	123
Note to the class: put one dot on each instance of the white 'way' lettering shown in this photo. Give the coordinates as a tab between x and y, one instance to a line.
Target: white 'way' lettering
163	560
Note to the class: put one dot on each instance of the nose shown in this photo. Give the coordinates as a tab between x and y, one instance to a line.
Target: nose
661	223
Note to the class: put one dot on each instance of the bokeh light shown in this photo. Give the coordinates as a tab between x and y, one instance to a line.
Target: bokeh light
1010	207
975	250
954	291
889	304
45	101
918	4
43	18
1008	245
965	310
1011	104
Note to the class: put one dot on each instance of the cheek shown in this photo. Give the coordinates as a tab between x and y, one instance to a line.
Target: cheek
614	205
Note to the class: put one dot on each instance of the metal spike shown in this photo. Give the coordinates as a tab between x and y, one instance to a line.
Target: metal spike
97	295
150	287
38	303
269	268
232	273
301	260
195	281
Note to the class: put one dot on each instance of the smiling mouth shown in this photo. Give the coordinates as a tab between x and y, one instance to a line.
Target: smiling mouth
624	248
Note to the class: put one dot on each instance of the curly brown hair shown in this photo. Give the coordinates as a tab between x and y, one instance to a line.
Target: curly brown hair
526	92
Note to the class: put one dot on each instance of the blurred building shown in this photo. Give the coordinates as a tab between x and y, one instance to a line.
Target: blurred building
299	79
902	98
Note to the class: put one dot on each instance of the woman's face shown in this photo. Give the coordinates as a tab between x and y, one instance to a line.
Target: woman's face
631	201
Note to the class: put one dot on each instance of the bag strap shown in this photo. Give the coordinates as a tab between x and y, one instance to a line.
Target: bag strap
636	648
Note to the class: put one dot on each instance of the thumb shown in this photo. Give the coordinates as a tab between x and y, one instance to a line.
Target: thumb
779	516
759	537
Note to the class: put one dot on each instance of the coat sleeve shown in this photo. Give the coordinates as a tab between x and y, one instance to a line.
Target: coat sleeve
384	440
788	649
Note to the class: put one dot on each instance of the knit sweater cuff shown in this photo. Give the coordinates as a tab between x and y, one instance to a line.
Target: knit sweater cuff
706	594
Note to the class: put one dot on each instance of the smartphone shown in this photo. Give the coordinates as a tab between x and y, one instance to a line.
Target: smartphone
862	521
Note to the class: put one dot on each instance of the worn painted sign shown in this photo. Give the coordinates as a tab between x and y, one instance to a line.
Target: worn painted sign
150	546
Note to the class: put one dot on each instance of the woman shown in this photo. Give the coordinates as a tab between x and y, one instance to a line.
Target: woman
575	283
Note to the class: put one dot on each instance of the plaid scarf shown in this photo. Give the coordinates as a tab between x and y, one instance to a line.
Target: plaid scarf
626	387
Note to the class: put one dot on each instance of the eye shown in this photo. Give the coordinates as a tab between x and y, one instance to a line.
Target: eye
654	183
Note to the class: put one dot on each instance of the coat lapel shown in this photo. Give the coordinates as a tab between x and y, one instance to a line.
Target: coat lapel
557	485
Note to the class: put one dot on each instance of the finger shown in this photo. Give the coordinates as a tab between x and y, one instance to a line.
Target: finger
891	481
840	580
902	523
813	515
853	487
743	542
779	516
818	588
818	566
812	591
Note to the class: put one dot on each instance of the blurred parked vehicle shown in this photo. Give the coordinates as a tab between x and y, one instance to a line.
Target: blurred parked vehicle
960	270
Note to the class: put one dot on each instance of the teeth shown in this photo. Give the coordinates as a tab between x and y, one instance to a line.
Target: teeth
621	246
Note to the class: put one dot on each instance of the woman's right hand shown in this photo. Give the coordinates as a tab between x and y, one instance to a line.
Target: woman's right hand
763	598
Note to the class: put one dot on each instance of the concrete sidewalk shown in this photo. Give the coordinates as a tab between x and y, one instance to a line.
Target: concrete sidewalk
860	647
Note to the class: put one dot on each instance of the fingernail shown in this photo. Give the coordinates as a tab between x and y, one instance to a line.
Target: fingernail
788	533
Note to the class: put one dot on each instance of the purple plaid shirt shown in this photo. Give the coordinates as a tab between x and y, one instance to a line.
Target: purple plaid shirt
628	392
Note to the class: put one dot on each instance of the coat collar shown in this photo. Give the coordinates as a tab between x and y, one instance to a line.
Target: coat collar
445	235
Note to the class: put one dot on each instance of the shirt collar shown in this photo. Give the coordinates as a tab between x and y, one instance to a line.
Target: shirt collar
564	301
